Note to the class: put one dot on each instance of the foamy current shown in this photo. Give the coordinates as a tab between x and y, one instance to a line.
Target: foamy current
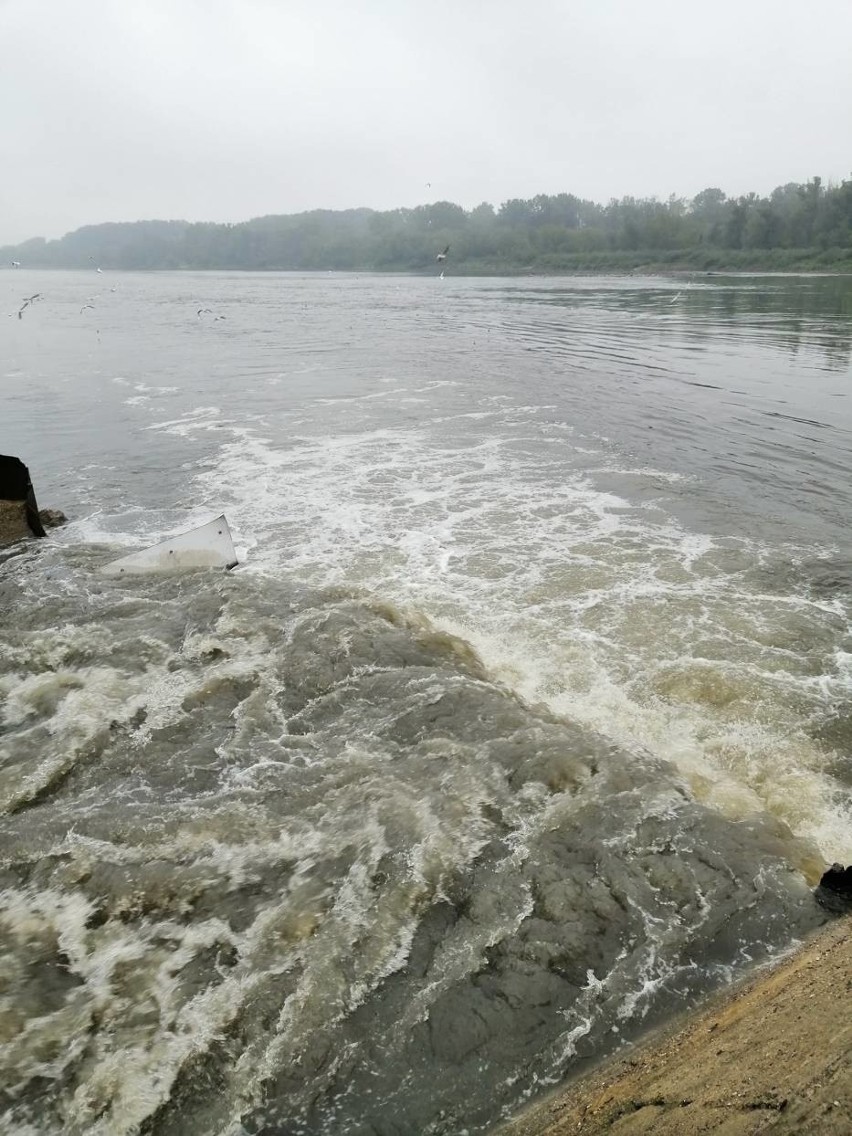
524	721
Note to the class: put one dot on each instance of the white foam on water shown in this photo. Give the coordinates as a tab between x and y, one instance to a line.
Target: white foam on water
200	419
574	596
126	527
79	705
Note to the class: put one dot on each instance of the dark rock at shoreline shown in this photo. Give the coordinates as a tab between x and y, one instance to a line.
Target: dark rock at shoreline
834	891
16	521
19	516
13	522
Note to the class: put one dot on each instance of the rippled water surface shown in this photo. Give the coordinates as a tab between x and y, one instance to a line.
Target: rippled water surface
525	720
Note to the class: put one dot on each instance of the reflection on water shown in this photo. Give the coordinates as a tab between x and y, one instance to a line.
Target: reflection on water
767	416
810	313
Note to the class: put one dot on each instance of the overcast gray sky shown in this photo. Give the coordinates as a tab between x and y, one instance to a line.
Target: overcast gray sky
228	109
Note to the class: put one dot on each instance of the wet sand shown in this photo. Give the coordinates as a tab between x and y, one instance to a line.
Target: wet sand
774	1054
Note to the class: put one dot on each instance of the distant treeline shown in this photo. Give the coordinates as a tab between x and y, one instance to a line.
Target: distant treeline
797	226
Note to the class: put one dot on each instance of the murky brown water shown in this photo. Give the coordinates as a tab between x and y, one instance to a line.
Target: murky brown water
525	719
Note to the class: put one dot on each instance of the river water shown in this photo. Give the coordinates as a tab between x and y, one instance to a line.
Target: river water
525	720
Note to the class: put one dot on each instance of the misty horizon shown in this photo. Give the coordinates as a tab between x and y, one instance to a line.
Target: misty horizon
802	226
468	208
216	112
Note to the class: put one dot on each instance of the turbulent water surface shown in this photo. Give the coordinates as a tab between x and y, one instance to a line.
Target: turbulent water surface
525	720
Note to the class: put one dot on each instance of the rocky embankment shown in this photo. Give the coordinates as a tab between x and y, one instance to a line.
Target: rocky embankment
20	516
14	525
772	1055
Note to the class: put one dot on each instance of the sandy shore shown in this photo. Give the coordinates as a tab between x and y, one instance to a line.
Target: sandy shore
772	1055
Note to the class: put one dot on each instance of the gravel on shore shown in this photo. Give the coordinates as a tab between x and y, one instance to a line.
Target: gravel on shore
773	1054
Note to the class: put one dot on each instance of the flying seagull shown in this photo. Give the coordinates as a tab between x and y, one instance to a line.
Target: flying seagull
16	264
29	300
86	306
201	311
442	255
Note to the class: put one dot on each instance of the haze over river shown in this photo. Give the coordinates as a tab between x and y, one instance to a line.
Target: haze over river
525	719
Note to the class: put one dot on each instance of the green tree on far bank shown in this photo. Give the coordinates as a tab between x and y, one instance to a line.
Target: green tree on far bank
806	225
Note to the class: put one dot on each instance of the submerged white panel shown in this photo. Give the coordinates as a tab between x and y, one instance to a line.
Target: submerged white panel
209	546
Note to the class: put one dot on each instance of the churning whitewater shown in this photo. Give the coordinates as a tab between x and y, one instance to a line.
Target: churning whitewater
524	721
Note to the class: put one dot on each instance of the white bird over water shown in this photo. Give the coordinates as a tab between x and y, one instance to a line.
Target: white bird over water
16	264
442	255
29	300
